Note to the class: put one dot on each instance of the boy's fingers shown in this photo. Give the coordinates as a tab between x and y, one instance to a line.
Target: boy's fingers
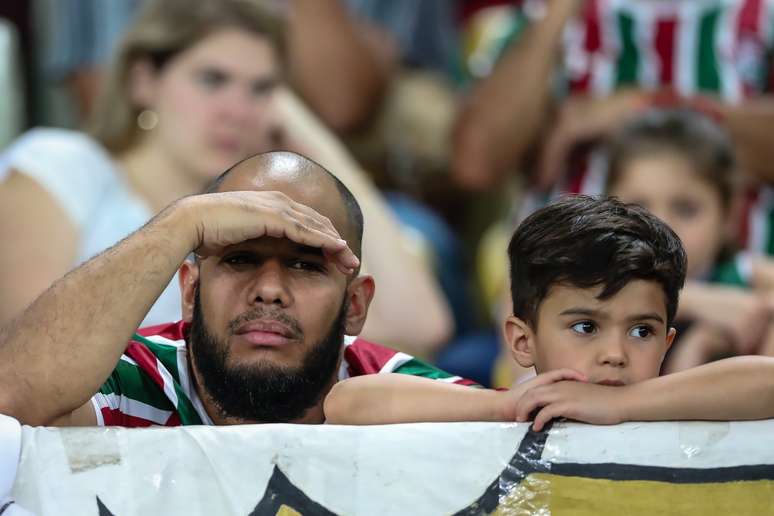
545	415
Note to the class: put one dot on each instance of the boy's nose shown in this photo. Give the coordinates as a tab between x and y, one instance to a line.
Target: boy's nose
613	353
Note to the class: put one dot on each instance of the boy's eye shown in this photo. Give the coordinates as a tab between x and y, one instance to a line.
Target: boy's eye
641	332
584	327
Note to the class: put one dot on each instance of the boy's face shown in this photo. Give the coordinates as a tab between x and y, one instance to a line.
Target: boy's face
617	341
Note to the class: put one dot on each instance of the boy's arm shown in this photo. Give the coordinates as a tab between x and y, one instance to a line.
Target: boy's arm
737	388
399	398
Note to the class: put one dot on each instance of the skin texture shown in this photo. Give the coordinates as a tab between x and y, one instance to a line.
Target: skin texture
61	337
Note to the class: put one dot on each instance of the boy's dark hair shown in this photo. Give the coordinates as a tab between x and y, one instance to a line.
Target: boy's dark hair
588	242
695	137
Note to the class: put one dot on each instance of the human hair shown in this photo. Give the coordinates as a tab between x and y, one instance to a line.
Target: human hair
163	29
686	133
354	212
588	242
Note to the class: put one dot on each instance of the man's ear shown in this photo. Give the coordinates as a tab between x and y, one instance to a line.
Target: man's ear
188	277
520	340
360	292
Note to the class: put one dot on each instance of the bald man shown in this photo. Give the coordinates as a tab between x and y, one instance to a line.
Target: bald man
271	304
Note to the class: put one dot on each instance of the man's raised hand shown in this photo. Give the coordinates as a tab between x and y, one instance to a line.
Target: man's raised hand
217	220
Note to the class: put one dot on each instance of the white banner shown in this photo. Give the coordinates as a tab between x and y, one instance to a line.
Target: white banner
465	468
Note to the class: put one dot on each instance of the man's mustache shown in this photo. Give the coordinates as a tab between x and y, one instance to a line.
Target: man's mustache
266	314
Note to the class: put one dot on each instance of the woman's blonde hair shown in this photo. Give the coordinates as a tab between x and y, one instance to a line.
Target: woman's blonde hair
163	29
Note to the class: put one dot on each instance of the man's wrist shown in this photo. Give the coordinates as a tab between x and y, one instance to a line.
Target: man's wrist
176	228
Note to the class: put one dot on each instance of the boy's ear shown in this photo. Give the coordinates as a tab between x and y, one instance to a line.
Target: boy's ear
360	293
520	340
670	337
188	277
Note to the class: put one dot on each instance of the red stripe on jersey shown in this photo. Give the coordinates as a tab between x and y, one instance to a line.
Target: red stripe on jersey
114	417
365	357
174	420
171	331
145	361
591	44
750	18
665	48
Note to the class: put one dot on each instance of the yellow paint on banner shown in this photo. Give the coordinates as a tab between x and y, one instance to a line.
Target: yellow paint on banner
541	493
284	510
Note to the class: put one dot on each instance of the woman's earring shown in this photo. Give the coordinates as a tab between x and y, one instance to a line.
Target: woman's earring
147	119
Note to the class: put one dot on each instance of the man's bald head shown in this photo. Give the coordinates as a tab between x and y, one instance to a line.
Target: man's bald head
303	180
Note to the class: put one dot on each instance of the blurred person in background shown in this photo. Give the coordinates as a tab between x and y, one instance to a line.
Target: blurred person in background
680	166
192	90
572	72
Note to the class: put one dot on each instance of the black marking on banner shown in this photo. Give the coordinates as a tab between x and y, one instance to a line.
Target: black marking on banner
281	491
615	471
524	462
5	506
103	511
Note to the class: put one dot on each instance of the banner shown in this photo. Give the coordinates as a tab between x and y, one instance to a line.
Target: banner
452	468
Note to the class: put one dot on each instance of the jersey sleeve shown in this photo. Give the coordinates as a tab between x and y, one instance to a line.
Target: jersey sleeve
131	398
362	357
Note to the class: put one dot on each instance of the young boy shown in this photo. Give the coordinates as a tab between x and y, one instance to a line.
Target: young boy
594	285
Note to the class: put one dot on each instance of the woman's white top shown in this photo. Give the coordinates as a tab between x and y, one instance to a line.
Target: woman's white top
90	187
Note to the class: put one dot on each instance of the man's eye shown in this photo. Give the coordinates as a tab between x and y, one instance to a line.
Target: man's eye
303	265
238	259
641	331
584	327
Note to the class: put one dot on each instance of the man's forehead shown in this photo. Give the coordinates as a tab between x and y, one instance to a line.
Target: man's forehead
301	180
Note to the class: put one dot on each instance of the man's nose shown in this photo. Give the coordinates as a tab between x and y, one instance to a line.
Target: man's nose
270	285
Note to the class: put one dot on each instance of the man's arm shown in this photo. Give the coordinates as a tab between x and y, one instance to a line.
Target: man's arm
737	388
506	110
57	354
379	399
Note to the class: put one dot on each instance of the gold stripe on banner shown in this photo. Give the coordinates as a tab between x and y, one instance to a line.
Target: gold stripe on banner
542	493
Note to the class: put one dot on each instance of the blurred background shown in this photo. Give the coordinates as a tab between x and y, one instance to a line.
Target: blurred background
465	114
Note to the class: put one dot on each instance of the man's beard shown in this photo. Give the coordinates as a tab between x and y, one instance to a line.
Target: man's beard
266	392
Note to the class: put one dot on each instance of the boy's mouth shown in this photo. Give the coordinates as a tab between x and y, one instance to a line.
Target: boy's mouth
612	383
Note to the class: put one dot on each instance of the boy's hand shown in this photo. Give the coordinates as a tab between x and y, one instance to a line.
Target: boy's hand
514	396
586	402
